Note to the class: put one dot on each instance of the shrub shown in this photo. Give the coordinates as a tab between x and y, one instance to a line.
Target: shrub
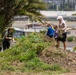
37	65
55	67
43	32
70	39
74	14
27	56
7	67
39	48
74	49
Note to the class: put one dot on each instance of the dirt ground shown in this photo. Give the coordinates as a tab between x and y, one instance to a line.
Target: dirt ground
70	44
65	59
68	74
18	73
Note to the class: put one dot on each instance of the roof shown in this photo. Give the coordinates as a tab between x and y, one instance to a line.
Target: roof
57	13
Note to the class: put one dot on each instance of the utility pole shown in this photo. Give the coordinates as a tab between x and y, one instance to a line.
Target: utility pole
34	26
57	7
75	7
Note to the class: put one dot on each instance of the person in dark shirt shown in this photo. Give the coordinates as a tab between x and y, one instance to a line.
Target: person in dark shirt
7	37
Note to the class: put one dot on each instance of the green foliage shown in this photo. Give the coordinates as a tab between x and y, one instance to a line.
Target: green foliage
36	38
19	7
26	51
1	20
40	47
70	39
74	49
74	14
55	67
36	65
43	32
7	67
27	56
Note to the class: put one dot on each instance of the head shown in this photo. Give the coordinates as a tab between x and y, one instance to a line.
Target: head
10	29
55	27
60	18
49	25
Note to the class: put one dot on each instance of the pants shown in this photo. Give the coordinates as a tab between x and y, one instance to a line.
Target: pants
6	44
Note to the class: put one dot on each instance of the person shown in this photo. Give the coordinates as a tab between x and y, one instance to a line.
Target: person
8	36
50	31
62	34
56	32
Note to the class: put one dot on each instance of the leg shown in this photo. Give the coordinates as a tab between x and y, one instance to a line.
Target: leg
8	44
58	43
64	40
64	44
4	45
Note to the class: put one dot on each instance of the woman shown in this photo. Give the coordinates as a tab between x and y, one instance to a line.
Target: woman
62	34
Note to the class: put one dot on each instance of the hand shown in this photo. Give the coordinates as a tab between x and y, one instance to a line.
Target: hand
10	38
14	41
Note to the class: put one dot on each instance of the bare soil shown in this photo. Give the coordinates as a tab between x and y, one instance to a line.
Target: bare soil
68	74
63	58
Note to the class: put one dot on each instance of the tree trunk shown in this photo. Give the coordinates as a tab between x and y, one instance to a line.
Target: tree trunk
0	42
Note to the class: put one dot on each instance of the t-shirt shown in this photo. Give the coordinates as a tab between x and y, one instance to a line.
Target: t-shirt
56	34
50	31
7	35
61	26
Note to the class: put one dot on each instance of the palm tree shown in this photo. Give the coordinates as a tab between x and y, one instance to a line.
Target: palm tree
12	8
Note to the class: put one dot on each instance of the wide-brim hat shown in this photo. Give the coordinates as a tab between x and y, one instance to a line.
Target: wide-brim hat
11	28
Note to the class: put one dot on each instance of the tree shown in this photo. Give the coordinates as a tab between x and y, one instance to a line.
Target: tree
11	8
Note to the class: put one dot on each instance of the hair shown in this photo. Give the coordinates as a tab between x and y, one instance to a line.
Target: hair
55	27
48	25
10	29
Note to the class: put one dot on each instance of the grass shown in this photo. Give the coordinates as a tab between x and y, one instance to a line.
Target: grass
25	54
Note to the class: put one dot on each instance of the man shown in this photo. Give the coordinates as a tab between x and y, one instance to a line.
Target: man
7	37
62	34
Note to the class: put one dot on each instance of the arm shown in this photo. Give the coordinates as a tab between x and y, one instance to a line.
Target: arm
5	35
63	26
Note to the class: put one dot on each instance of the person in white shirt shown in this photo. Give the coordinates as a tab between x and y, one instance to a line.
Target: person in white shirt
62	34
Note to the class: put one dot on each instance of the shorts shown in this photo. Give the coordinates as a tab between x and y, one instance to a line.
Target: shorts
63	38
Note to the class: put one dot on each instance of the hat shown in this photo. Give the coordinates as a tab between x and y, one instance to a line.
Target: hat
10	28
48	24
59	17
